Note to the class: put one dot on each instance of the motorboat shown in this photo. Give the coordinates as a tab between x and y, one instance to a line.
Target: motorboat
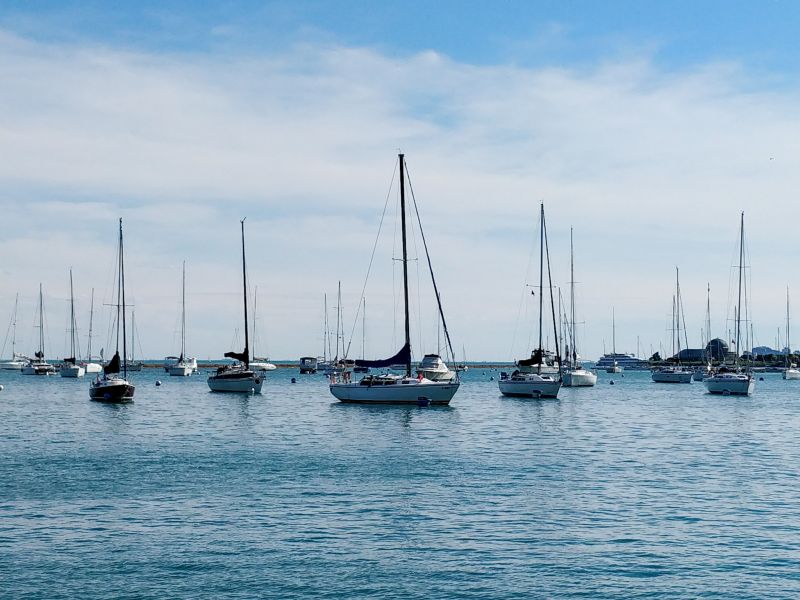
530	385
434	368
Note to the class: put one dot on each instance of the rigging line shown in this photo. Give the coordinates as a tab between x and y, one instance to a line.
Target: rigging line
430	268
371	259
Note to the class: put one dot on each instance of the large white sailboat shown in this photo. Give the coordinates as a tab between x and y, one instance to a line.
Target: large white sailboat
114	386
790	371
38	365
90	365
238	377
675	373
70	366
733	379
536	384
575	375
183	366
389	388
18	361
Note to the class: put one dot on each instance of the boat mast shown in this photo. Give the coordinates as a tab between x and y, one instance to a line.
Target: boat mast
41	324
788	346
708	321
541	284
326	342
71	317
364	329
613	334
739	305
572	300
678	311
122	288
91	317
338	319
244	284
183	313
401	158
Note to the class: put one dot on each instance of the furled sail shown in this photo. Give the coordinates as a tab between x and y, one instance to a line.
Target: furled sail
241	357
536	358
113	366
401	358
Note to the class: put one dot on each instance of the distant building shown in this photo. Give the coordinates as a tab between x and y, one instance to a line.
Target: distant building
718	349
691	355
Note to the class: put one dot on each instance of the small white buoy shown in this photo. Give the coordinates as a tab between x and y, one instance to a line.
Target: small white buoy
158	382
1	388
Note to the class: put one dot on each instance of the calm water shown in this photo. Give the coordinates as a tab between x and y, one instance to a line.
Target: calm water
631	490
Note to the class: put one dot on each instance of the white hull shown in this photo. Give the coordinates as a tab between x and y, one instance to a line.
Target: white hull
532	386
614	369
672	376
92	367
72	371
249	385
262	366
437	375
730	384
701	374
791	374
134	367
401	390
39	369
181	370
12	365
579	378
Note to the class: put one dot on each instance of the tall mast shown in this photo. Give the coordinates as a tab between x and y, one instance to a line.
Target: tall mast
338	318
71	317
613	333
41	323
678	311
326	341
91	317
183	313
572	299
739	305
14	329
401	157
122	288
541	283
364	329
244	284
788	346
708	320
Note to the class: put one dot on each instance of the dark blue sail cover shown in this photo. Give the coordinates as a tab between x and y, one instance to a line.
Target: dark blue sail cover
241	357
403	357
113	366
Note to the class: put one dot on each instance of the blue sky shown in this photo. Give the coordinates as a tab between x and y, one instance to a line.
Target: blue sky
646	126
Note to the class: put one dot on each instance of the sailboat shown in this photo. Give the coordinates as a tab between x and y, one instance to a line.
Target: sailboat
114	386
18	361
701	373
133	365
790	371
614	367
733	379
70	366
258	363
238	377
38	365
183	366
536	384
389	388
89	365
675	373
575	375
336	365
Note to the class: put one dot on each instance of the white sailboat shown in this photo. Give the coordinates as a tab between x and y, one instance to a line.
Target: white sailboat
701	373
18	361
733	379
536	384
133	364
790	371
614	367
38	365
390	388
258	363
70	366
89	364
183	366
238	377
675	373
575	375
114	386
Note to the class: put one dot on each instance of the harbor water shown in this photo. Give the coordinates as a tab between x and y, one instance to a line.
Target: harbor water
628	490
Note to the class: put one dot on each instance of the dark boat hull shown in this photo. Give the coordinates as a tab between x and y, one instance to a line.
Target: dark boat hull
117	391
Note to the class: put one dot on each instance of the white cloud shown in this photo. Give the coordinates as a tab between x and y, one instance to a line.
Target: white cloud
650	167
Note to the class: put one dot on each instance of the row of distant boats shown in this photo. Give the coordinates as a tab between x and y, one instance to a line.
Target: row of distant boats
433	382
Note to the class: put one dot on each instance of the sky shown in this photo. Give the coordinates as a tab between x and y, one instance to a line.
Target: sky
645	127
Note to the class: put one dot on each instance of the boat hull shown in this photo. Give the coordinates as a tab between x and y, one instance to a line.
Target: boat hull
672	376
791	374
613	369
236	384
403	391
39	369
180	370
735	385
111	390
579	378
530	387
12	365
92	367
73	371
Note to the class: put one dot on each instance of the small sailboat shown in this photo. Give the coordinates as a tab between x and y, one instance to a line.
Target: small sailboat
89	364
238	377
536	384
18	361
38	365
675	373
258	363
114	386
133	364
70	366
614	367
389	388
183	366
790	370
733	379
701	373
575	375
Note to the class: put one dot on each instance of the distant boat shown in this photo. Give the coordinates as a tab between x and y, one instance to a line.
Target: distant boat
575	375
70	366
535	384
38	365
114	386
434	368
183	366
133	364
258	363
308	365
791	371
18	361
675	373
238	377
733	379
628	362
89	364
614	367
700	373
398	389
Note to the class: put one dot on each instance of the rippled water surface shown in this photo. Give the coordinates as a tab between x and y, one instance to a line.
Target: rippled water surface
631	490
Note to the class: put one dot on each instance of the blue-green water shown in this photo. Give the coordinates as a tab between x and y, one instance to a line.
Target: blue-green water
631	490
